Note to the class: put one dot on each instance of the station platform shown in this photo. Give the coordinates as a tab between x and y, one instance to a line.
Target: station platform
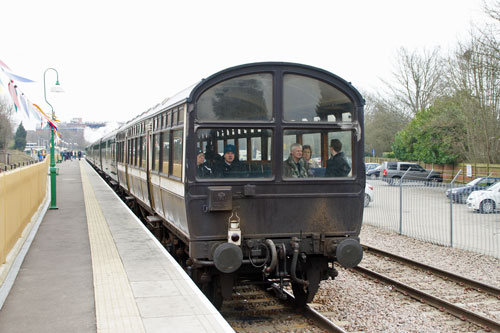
93	267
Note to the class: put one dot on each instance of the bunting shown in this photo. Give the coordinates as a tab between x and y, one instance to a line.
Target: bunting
34	112
2	64
21	101
50	122
24	104
13	95
16	77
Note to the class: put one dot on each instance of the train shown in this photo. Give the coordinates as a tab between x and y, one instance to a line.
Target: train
232	175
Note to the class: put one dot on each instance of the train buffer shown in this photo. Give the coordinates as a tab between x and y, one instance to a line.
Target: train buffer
92	266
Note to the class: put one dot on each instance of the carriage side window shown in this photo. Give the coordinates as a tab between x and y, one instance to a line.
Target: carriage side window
234	153
144	149
139	151
156	152
165	156
317	153
248	97
177	153
136	151
309	100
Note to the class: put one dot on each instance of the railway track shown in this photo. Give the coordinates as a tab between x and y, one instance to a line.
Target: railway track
461	297
254	309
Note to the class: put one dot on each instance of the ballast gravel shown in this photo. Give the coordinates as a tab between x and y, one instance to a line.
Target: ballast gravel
358	304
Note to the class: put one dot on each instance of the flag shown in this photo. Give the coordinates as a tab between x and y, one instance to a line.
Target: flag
2	87
24	104
2	64
13	95
33	111
13	76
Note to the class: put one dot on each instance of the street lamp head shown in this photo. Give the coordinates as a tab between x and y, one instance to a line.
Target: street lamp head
57	88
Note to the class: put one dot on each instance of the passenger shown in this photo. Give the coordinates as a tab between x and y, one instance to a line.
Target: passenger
311	164
202	169
337	165
230	166
79	155
295	166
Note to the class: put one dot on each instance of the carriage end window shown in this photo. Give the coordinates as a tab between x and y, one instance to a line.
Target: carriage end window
310	100
317	153
243	98
234	153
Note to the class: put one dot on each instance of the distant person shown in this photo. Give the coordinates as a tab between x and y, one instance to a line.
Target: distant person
295	165
230	166
79	155
337	165
202	169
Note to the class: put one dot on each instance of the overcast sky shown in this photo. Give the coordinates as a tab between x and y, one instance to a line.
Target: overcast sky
118	58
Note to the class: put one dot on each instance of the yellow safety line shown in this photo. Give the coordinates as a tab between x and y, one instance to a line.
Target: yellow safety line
116	309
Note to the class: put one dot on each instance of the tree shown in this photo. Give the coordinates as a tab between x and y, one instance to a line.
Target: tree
5	126
474	74
20	138
382	122
417	80
434	135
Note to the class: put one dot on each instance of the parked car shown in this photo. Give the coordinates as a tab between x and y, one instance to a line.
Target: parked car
485	201
393	171
368	194
369	166
374	173
460	194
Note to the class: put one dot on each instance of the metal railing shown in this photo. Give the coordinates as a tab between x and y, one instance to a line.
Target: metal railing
422	210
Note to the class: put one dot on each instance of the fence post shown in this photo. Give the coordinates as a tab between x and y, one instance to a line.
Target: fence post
401	201
451	206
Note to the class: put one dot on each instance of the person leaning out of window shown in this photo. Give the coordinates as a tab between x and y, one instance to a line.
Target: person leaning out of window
337	165
295	166
202	169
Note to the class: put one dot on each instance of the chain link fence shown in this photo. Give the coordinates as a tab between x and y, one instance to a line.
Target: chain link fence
423	211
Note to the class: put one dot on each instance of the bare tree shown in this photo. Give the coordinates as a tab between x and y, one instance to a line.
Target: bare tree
382	122
5	125
417	79
474	74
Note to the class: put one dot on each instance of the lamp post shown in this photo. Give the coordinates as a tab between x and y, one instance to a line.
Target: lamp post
56	88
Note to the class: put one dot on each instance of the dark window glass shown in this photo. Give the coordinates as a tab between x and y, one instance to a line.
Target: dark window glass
156	152
235	153
174	118
144	149
309	100
177	153
165	139
243	98
404	167
392	166
181	115
309	153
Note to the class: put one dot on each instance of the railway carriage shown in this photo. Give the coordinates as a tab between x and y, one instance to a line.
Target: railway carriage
258	224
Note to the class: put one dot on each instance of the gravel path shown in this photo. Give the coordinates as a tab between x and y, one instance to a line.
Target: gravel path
358	304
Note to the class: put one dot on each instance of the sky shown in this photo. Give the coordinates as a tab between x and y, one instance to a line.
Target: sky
116	59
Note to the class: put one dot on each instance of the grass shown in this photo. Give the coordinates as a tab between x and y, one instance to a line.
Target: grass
15	157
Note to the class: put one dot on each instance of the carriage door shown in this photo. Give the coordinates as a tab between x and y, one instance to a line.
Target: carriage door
149	154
